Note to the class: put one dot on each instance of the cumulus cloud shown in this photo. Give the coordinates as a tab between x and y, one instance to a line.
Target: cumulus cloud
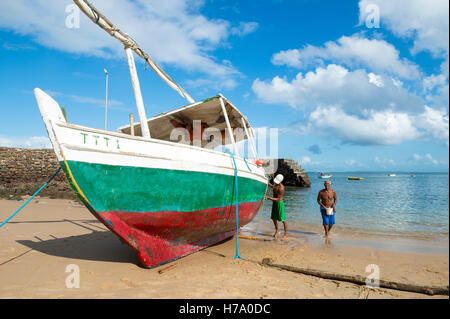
307	161
244	28
355	106
385	161
426	22
354	51
431	159
378	128
353	91
435	122
173	32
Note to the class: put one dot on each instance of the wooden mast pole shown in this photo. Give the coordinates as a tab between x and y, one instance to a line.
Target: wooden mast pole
228	125
249	138
137	93
106	101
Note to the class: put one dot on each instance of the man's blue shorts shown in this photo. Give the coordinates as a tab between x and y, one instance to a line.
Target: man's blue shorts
327	219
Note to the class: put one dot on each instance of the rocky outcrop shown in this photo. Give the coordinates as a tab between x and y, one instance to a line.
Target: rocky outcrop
294	174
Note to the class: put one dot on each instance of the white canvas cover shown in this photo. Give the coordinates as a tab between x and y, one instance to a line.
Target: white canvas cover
208	111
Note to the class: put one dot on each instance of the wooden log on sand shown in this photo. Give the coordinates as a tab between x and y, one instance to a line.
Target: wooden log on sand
360	280
254	238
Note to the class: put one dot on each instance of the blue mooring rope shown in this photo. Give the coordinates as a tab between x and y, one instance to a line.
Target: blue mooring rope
42	187
237	209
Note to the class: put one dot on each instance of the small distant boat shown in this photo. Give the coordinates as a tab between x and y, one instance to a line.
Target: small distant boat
392	175
324	175
413	175
355	178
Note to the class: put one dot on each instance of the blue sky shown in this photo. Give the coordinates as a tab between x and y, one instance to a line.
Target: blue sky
343	96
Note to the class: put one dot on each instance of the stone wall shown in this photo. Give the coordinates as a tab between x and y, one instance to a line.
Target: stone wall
24	171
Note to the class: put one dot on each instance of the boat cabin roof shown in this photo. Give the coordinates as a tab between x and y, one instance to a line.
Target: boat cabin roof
208	111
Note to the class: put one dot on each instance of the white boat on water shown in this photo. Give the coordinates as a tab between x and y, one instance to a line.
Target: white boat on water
392	175
166	199
324	175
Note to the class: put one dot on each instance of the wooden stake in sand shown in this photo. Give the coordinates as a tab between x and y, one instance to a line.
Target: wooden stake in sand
359	280
166	269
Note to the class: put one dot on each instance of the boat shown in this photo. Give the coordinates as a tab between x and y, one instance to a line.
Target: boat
165	198
324	175
355	178
392	175
413	175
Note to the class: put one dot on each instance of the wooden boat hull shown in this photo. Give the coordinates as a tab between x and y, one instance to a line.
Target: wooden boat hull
164	216
165	200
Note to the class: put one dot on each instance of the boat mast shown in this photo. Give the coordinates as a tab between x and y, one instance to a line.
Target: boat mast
230	131
130	45
250	139
137	93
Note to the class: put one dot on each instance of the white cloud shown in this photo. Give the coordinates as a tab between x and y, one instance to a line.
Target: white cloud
431	159
352	91
385	161
433	81
356	107
354	51
378	128
424	21
376	80
244	28
305	160
417	157
435	122
173	32
25	142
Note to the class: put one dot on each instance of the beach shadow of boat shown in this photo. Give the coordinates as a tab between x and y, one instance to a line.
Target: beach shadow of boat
96	246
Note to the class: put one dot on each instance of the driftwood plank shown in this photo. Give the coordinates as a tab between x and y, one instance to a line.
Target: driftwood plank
254	238
360	280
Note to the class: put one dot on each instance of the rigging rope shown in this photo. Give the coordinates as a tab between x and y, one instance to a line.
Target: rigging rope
42	187
237	207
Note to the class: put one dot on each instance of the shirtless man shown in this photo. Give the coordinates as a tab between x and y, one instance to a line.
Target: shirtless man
327	199
278	205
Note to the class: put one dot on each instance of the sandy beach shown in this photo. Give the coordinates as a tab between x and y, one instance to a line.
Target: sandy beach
50	234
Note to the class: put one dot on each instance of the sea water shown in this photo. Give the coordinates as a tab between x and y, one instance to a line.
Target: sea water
400	205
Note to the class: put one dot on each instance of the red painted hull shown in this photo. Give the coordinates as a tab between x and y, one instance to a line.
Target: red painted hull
161	237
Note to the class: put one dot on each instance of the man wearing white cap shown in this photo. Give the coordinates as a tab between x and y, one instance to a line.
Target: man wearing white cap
278	205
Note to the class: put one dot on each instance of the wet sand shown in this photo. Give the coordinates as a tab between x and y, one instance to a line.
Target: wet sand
50	234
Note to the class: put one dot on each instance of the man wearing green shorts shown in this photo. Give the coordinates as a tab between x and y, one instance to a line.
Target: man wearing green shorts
278	205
